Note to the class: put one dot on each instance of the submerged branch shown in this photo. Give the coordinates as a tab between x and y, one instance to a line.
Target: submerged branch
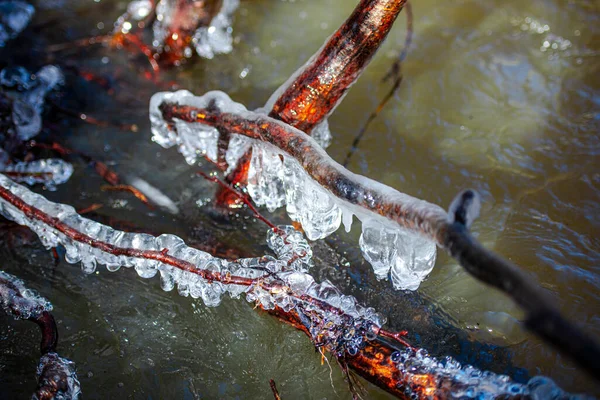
370	199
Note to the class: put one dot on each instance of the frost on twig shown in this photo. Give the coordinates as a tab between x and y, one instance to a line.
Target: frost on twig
57	378
294	170
280	285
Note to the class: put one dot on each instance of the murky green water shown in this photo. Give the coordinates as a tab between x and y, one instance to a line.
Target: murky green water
485	103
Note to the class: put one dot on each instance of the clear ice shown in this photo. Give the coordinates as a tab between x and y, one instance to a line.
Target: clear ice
14	17
448	379
276	180
216	38
208	40
50	172
28	92
280	281
19	301
334	320
51	369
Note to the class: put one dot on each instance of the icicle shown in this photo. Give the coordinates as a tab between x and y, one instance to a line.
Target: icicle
216	38
276	179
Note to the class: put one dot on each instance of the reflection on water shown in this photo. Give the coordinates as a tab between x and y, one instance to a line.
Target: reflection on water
498	96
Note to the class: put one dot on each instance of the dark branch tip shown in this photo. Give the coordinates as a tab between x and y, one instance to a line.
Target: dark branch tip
465	208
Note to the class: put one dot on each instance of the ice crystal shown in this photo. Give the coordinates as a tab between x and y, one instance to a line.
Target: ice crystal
19	301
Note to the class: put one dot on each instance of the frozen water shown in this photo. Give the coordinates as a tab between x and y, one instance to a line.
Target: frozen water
265	184
28	94
405	256
454	381
322	134
139	9
14	17
334	320
464	208
207	40
18	301
275	179
281	281
50	172
216	38
154	194
415	259
51	369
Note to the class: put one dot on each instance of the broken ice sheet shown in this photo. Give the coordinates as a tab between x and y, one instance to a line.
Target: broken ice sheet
14	17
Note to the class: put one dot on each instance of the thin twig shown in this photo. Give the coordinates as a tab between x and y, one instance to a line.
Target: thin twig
394	72
274	389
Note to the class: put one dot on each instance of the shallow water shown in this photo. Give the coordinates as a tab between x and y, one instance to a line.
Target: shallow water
484	104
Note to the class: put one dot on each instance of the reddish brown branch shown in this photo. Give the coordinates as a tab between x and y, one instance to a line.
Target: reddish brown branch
449	232
316	90
242	196
395	72
274	389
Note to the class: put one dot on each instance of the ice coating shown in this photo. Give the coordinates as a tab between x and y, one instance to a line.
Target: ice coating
19	301
28	93
207	40
334	321
465	208
275	179
14	17
50	172
448	379
57	378
139	9
216	38
267	280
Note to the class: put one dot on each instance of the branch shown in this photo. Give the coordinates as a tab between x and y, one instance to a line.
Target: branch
371	200
334	322
311	94
56	375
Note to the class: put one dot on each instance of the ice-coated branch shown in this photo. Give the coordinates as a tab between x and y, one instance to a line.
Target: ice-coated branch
311	94
290	167
280	286
56	375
